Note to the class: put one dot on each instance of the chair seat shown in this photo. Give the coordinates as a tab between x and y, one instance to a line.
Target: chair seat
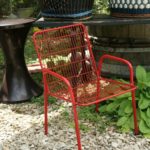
90	93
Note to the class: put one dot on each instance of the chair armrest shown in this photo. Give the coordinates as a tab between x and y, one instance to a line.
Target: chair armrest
62	78
121	60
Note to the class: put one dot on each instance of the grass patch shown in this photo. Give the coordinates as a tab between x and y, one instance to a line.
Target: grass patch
89	119
40	100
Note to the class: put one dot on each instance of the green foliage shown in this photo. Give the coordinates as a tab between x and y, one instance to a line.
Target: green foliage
16	4
100	120
84	127
88	113
143	127
40	100
141	74
4	7
24	3
37	77
52	100
101	6
142	77
30	53
122	105
144	102
122	121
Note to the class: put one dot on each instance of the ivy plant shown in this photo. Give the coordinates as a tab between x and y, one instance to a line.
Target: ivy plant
122	105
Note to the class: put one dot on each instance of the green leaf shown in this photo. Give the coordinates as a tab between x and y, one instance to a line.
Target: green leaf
141	85
122	80
130	98
148	112
148	122
121	112
128	108
145	118
124	96
122	107
143	127
148	76
143	115
147	136
147	94
141	74
122	121
138	114
52	100
147	83
131	122
126	128
112	106
102	108
143	103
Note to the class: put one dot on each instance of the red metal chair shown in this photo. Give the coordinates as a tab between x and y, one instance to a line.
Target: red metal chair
70	72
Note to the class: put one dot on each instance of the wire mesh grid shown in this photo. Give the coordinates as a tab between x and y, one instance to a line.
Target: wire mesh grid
67	51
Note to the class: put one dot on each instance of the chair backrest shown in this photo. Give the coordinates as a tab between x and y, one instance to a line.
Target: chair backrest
67	51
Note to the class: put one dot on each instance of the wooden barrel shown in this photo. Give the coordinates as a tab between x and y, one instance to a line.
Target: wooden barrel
131	42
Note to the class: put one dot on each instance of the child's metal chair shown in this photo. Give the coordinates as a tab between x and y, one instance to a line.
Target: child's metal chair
70	72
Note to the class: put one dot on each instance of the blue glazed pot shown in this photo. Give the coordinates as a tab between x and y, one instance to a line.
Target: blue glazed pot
130	8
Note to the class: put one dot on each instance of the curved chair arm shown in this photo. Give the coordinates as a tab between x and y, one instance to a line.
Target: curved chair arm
62	78
119	60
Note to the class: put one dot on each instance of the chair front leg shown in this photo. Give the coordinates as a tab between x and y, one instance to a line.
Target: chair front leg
77	127
45	113
136	129
97	107
45	106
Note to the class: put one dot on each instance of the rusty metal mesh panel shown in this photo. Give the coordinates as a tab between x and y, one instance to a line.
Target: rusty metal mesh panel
67	51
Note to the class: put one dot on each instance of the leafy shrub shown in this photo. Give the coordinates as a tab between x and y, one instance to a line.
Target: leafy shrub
4	8
16	4
101	6
122	105
24	3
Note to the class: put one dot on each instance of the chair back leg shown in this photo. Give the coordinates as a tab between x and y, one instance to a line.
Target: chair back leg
45	109
46	114
136	129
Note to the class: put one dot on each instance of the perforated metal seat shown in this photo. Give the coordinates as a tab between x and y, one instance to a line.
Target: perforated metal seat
70	72
88	93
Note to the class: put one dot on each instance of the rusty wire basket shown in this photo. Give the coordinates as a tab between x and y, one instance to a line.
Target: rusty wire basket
66	9
130	8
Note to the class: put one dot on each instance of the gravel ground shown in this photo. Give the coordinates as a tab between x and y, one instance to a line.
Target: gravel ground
21	128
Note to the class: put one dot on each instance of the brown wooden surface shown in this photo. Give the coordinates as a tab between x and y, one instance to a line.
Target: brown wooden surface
95	20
